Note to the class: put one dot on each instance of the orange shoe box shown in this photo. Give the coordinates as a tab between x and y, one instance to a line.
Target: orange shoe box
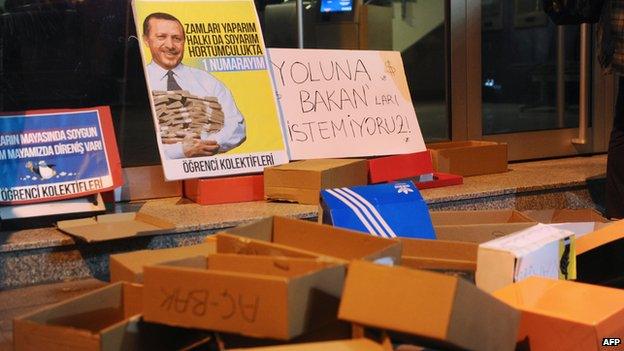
210	191
565	315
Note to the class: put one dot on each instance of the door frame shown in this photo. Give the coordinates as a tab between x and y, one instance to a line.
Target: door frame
466	97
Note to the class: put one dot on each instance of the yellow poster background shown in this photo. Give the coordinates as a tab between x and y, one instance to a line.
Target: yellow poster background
252	90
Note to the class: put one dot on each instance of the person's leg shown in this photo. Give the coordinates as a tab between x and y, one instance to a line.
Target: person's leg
614	199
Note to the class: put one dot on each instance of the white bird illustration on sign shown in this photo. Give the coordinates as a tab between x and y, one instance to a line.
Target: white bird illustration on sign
42	169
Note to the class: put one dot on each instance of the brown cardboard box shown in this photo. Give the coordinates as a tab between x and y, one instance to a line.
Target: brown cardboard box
272	297
339	345
94	321
302	181
444	311
468	158
478	226
104	319
234	244
321	239
451	257
565	215
565	315
115	226
336	330
147	182
129	266
578	221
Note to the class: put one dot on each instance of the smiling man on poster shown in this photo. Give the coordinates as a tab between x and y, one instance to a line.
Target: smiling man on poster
164	35
212	116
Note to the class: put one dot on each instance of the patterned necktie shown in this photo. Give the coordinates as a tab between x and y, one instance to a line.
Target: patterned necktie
171	82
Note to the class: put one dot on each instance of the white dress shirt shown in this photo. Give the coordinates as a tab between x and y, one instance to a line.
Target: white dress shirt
202	83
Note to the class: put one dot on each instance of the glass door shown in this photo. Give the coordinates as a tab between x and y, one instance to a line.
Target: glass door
539	88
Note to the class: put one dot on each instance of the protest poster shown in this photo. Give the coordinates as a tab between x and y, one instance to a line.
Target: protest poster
345	103
49	155
211	90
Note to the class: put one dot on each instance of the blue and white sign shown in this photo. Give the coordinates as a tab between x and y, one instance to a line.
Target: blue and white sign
384	210
54	155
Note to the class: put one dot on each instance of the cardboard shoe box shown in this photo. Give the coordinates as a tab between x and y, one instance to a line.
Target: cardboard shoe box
210	191
540	250
566	215
565	315
94	321
468	158
147	182
265	297
320	239
478	226
579	221
115	226
336	330
338	345
129	266
396	167
234	244
302	181
104	319
417	166
442	311
449	257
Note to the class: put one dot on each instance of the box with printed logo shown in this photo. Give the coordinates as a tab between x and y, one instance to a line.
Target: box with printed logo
385	210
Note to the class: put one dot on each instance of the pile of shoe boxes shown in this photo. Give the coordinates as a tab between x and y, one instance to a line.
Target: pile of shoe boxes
286	284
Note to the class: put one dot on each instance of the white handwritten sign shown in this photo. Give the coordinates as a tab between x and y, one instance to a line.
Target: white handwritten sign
343	103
